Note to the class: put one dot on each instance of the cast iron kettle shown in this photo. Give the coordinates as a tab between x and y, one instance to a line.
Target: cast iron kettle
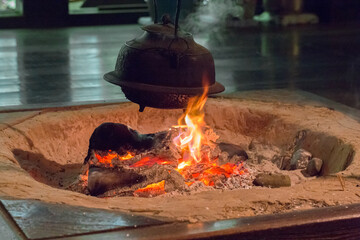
164	67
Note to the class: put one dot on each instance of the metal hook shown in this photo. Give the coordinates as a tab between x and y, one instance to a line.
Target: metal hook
155	11
177	14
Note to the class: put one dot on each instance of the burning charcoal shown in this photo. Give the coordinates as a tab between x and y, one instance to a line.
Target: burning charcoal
300	159
101	180
160	180
152	190
173	179
314	166
272	180
233	150
118	137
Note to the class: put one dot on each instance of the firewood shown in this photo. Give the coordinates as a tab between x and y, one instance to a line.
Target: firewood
118	137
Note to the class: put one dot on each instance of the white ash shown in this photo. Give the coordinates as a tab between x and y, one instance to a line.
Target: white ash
199	187
238	181
259	152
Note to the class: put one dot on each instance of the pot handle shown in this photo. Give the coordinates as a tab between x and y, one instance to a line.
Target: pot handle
177	15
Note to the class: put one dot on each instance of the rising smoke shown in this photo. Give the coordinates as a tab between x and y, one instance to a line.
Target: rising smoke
213	14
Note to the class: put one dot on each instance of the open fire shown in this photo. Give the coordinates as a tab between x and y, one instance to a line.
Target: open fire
186	156
282	141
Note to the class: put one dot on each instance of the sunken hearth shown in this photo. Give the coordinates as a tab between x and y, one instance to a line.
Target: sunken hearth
263	157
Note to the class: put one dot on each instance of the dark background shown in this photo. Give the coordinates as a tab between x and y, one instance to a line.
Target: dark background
54	13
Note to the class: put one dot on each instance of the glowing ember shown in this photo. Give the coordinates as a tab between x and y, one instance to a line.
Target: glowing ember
85	176
151	190
107	159
151	161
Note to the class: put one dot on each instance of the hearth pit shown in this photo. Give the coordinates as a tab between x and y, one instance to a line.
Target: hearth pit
43	156
183	159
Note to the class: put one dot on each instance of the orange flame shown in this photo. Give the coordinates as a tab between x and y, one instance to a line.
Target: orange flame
191	137
191	124
151	190
195	163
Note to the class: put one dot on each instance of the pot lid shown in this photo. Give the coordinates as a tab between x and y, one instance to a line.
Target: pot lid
113	78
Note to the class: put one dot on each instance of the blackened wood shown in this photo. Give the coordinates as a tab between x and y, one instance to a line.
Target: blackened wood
101	180
44	220
121	139
118	137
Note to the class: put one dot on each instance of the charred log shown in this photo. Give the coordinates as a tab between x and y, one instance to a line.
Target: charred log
120	138
101	180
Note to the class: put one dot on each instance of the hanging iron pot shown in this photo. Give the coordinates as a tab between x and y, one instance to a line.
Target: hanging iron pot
164	67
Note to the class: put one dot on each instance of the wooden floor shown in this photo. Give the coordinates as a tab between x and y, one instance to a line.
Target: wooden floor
31	219
62	67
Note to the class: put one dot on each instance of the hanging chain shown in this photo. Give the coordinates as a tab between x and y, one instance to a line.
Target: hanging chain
177	14
155	11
